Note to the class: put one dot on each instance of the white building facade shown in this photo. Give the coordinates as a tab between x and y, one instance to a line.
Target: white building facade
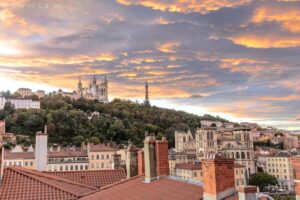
20	103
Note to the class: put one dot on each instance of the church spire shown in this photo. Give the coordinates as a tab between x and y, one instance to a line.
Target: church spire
147	102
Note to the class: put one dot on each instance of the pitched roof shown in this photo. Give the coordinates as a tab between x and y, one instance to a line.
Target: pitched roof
101	147
95	178
18	155
67	153
136	189
23	184
189	166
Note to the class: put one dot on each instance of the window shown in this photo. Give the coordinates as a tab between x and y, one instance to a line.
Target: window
102	165
76	167
92	157
107	156
102	156
97	157
61	168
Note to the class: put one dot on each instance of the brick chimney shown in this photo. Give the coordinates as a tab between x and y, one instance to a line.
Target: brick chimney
41	150
247	192
218	178
2	127
141	162
162	161
1	161
156	158
150	159
296	168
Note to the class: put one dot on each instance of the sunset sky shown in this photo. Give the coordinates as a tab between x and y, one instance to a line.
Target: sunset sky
236	59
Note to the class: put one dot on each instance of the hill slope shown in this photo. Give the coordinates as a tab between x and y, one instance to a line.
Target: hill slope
72	121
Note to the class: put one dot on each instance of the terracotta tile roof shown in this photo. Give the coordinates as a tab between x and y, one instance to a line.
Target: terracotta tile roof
67	153
95	178
189	166
24	184
18	155
101	147
136	189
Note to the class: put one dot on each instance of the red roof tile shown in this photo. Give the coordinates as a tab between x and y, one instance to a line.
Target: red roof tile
67	153
189	166
136	189
101	147
95	178
18	155
24	184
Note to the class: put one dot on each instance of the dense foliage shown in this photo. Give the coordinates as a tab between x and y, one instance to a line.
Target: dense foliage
74	121
263	180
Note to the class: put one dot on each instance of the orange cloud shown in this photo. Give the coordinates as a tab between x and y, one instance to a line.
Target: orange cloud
288	18
282	98
267	41
204	6
9	20
169	47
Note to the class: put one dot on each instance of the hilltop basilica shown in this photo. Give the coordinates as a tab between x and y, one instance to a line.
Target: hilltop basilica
96	90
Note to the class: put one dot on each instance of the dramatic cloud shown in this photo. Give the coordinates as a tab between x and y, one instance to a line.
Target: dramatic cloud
234	58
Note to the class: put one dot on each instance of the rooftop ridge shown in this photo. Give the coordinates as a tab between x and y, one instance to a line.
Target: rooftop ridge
33	173
112	185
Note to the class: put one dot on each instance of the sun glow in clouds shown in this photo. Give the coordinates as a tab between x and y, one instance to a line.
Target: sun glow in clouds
8	50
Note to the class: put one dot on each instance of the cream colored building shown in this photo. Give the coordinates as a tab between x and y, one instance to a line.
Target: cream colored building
189	171
172	165
240	175
100	156
233	143
280	166
24	92
184	141
20	103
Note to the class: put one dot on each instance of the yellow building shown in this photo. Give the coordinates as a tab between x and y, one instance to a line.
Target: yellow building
100	156
189	171
280	166
22	159
239	175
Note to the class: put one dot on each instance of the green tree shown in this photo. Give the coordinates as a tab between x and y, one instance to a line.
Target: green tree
263	180
93	140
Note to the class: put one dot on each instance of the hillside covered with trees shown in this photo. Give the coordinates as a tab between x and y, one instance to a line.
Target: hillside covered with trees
71	122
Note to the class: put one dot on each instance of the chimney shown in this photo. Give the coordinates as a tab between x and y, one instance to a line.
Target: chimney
247	192
162	161
41	150
131	162
150	159
141	162
1	161
218	178
2	127
156	158
296	168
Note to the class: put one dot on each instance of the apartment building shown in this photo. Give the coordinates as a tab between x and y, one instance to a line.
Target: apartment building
280	166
